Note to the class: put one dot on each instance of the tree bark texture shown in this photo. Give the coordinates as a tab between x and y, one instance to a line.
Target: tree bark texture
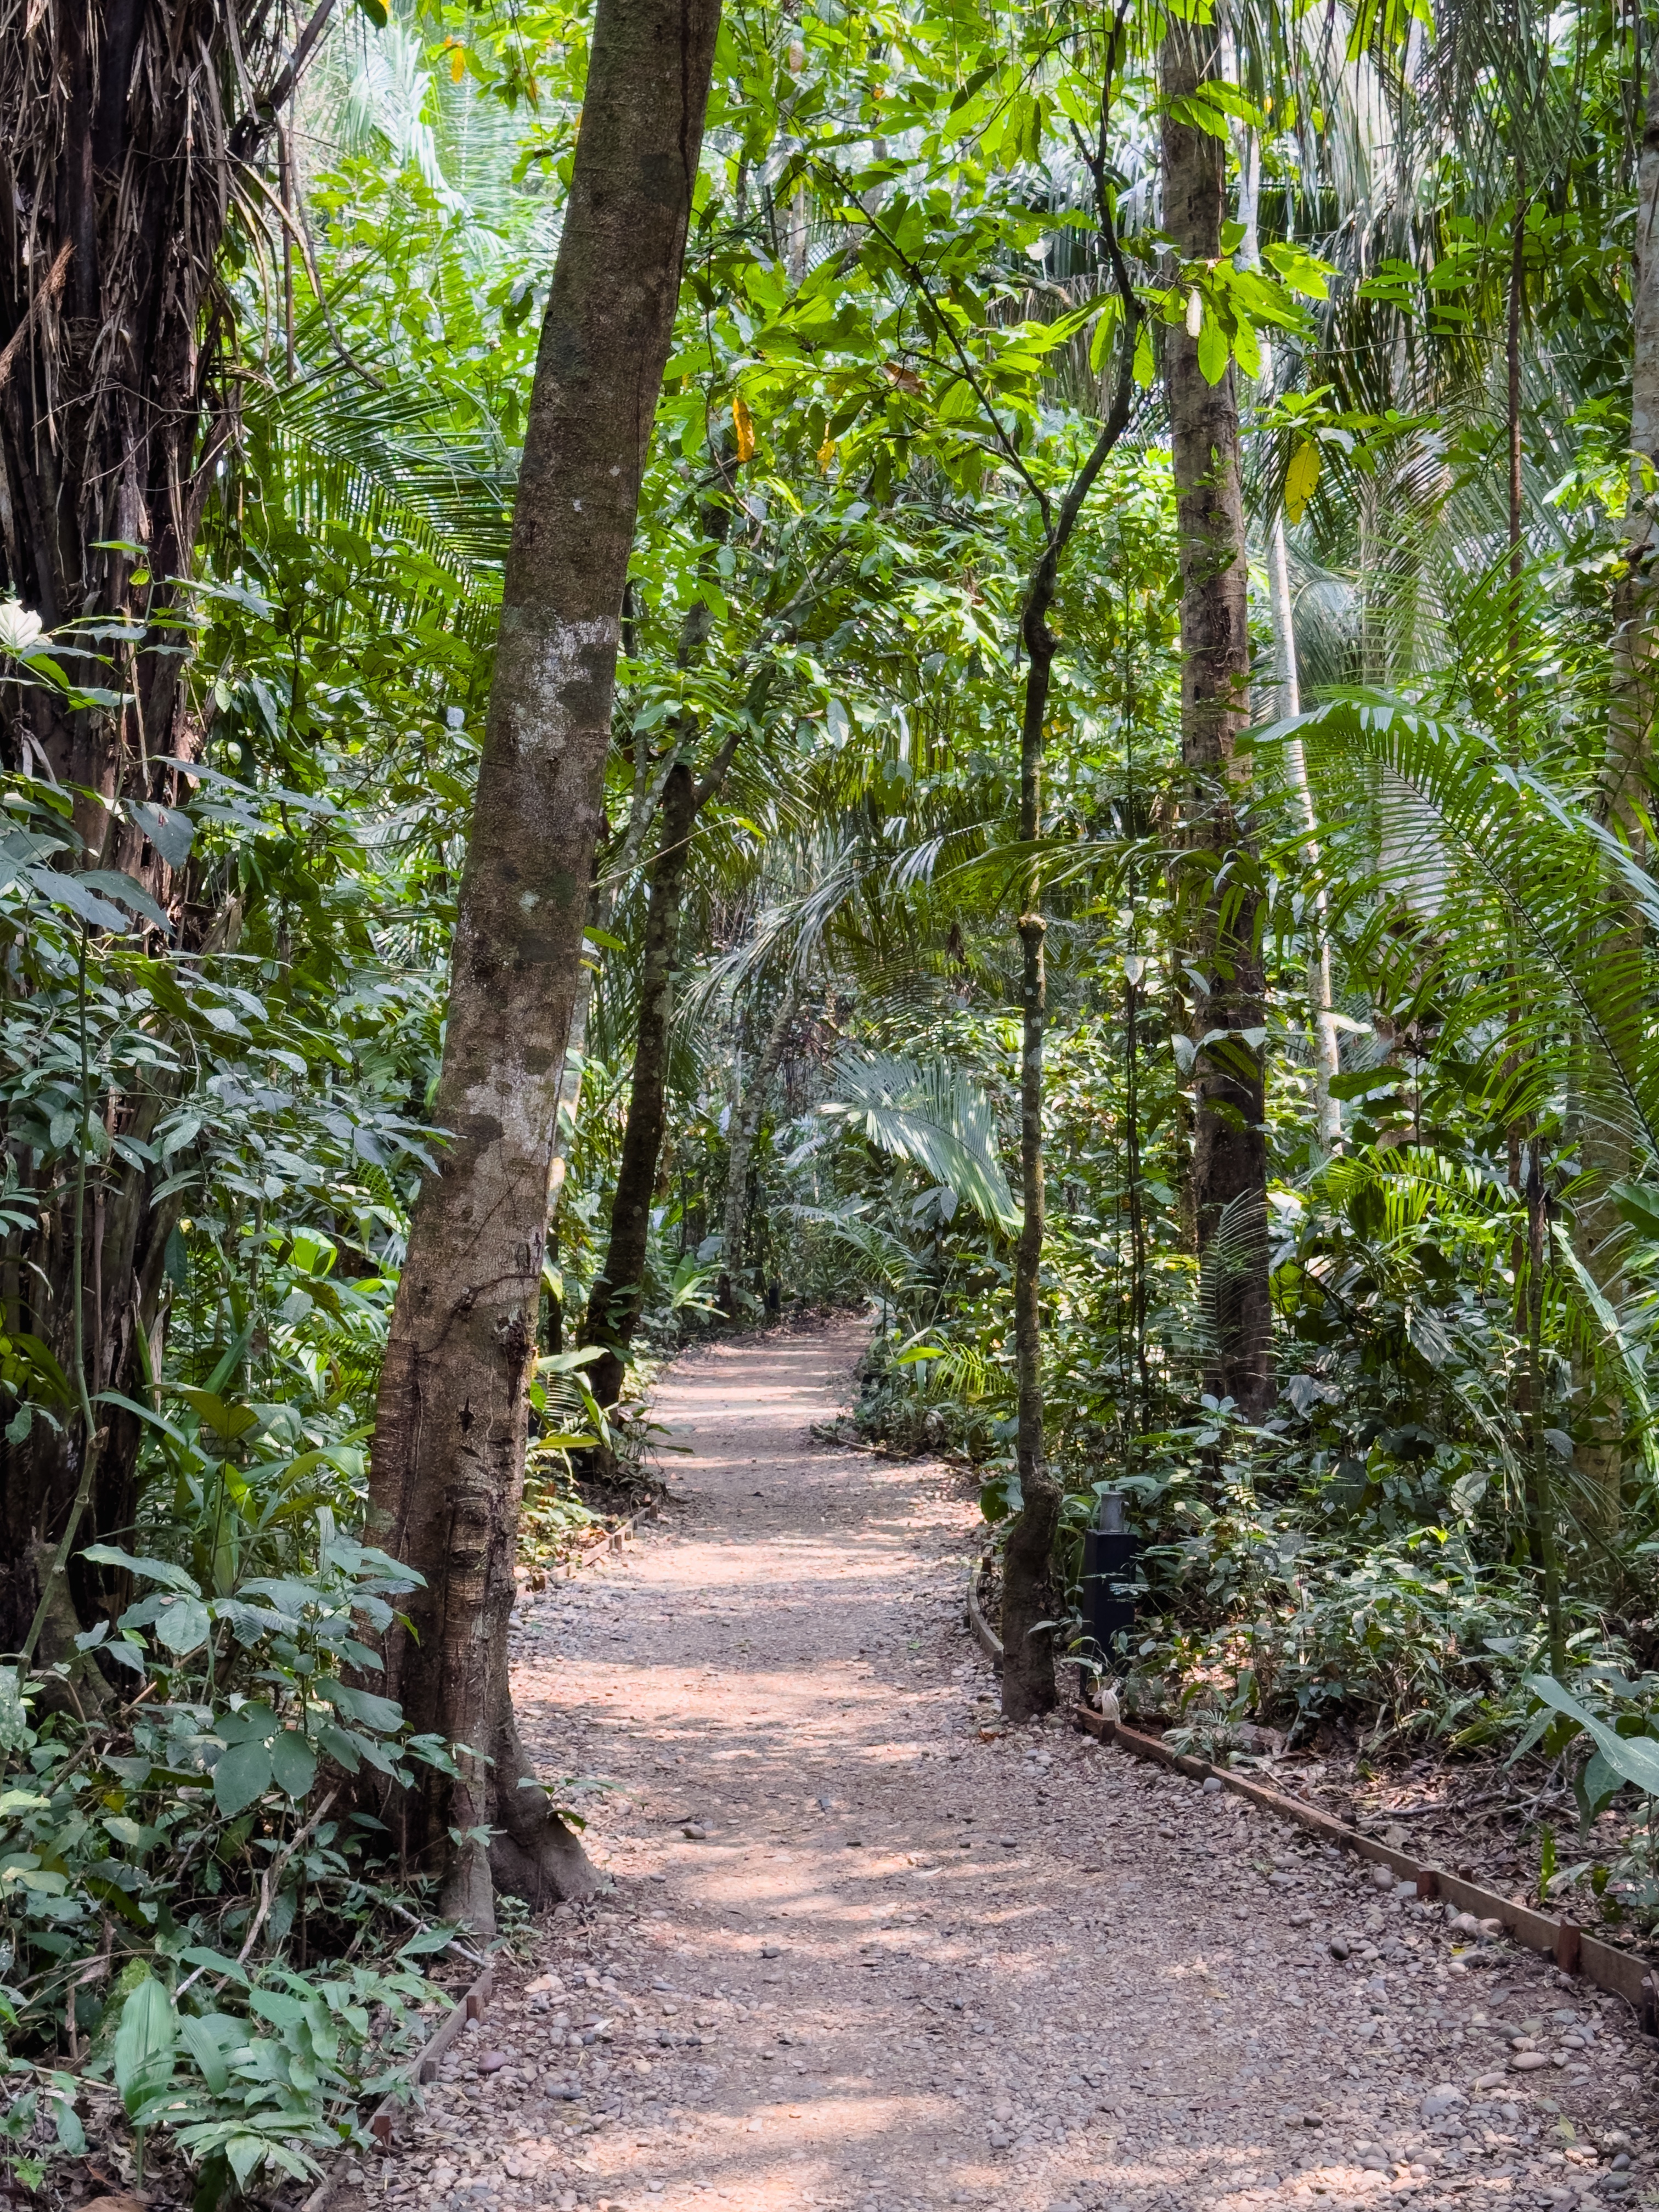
1230	1157
1615	951
743	1128
617	1298
448	1470
123	124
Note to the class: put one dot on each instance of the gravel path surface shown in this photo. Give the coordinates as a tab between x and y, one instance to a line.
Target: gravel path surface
857	1956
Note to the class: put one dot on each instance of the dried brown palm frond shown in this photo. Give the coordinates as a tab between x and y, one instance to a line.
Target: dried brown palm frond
127	130
124	124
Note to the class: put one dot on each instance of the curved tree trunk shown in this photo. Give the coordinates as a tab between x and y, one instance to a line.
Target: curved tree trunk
618	1298
1028	1591
1230	1153
122	122
448	1471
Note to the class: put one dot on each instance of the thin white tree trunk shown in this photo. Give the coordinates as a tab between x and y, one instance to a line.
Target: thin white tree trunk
1328	1059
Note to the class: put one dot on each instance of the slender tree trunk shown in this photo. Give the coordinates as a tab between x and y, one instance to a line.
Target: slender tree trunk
745	1128
448	1462
1616	936
120	127
1328	1061
1229	1156
1028	1591
1543	1488
617	1298
1327	1057
602	905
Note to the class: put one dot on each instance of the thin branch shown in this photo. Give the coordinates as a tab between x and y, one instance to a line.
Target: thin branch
42	298
964	362
293	221
248	133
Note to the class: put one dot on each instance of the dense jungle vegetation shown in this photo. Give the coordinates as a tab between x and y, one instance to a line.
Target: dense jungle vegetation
1022	696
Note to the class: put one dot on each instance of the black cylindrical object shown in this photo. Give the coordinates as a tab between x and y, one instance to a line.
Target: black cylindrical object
1108	1561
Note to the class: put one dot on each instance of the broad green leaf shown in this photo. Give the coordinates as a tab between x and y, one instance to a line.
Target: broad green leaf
1213	351
1300	478
382	1714
1634	1757
241	1777
183	1625
71	2136
1639	1205
292	1762
153	1570
144	2042
226	1420
209	2039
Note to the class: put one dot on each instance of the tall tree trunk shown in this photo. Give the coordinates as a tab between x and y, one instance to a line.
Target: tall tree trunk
447	1472
1327	1057
1028	1591
617	1298
1229	1156
602	905
744	1128
1616	934
122	124
1029	1594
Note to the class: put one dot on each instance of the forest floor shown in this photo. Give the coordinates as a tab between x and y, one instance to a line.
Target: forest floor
856	1955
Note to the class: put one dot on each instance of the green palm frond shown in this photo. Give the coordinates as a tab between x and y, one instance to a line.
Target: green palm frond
885	1262
1476	882
929	1113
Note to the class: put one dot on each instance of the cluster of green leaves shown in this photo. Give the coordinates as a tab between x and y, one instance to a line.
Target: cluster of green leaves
139	1862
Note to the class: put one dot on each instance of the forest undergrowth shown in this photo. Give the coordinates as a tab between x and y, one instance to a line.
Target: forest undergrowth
1100	812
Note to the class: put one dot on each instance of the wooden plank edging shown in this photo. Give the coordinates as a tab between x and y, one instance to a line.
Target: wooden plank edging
420	2067
984	1635
1573	1948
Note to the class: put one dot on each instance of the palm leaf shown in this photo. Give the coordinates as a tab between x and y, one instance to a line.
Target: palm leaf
929	1113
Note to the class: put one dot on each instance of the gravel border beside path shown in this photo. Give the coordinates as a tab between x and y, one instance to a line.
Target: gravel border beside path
856	1957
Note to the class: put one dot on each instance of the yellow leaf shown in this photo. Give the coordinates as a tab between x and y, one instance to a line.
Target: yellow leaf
457	63
745	427
826	452
1300	478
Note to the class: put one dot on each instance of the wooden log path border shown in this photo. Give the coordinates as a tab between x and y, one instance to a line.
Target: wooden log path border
420	2067
1574	1949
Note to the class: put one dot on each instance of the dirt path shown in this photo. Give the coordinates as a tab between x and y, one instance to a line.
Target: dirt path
858	1957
